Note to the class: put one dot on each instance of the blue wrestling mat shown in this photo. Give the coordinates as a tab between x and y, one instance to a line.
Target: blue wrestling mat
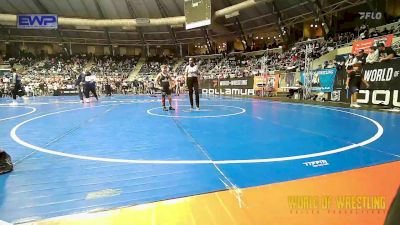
125	150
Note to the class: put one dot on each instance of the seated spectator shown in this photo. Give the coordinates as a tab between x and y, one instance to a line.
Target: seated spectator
361	56
385	31
392	30
397	29
386	53
350	61
331	64
326	64
374	33
363	27
364	35
373	55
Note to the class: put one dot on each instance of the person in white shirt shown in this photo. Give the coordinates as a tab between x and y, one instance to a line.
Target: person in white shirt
28	90
177	85
350	61
90	86
192	82
373	55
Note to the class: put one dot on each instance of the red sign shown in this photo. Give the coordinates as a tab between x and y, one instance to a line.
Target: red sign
365	44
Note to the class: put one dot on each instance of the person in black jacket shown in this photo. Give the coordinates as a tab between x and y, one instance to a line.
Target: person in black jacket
361	56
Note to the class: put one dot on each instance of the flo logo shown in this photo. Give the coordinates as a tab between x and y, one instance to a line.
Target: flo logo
370	15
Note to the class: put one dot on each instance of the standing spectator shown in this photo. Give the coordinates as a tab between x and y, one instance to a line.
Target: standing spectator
107	88
364	31
177	86
124	87
363	27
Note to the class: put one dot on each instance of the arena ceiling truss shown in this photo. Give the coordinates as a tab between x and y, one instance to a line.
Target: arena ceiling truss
157	22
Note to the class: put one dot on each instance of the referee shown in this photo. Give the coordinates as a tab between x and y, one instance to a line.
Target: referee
79	85
191	79
15	86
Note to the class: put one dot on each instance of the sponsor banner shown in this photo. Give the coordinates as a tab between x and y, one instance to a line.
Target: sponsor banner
4	72
365	44
232	86
321	80
339	95
287	79
267	81
37	21
228	91
272	81
65	92
260	82
384	81
383	75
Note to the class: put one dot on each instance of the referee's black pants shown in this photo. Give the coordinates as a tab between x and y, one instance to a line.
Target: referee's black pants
15	91
193	85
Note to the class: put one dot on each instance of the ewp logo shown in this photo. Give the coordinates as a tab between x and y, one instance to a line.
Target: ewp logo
37	21
370	15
